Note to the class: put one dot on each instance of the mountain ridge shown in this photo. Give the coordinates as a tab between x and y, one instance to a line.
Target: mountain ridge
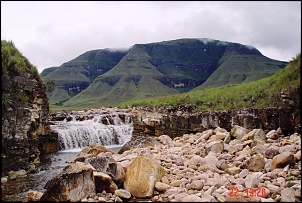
173	66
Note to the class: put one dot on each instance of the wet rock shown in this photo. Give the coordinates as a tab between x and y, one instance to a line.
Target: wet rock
109	166
103	182
69	186
77	167
17	174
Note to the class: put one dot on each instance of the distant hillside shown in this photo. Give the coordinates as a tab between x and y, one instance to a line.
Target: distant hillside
156	69
47	71
134	77
282	89
236	67
76	75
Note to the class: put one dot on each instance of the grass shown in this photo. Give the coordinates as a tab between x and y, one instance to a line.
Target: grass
258	94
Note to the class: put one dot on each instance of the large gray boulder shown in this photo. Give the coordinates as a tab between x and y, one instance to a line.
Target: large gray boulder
73	184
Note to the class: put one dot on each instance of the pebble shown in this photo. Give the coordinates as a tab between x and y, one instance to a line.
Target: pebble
202	167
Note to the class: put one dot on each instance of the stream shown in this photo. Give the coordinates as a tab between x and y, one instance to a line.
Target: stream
73	136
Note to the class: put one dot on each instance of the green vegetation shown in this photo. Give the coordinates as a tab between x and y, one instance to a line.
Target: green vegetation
156	69
238	69
133	78
15	68
76	75
261	93
47	71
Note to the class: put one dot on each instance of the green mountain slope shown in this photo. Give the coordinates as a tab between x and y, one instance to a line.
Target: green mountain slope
47	71
156	69
237	67
76	75
279	90
132	78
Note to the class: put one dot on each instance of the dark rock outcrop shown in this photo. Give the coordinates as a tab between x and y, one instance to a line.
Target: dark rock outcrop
25	110
173	123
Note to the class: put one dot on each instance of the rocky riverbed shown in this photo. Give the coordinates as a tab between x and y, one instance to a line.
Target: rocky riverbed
214	165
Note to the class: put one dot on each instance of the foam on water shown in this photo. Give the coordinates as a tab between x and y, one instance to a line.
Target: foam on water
108	130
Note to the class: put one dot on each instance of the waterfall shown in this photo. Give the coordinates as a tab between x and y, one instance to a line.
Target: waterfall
104	129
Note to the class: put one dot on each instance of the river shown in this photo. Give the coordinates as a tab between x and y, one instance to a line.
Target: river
74	135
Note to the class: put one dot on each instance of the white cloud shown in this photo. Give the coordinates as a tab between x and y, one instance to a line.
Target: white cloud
50	33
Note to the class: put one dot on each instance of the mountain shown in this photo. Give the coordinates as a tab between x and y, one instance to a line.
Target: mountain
76	75
238	65
107	78
134	77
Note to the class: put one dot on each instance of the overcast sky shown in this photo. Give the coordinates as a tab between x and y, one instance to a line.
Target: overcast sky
50	33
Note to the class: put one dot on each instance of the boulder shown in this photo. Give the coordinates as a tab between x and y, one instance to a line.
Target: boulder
91	151
138	142
271	152
238	132
73	184
215	146
282	160
256	163
287	195
141	175
259	133
104	182
166	140
109	166
253	180
123	193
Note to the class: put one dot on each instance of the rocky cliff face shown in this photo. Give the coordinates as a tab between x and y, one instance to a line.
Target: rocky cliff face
177	121
25	110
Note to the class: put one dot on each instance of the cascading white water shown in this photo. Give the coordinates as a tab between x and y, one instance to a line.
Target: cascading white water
76	134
